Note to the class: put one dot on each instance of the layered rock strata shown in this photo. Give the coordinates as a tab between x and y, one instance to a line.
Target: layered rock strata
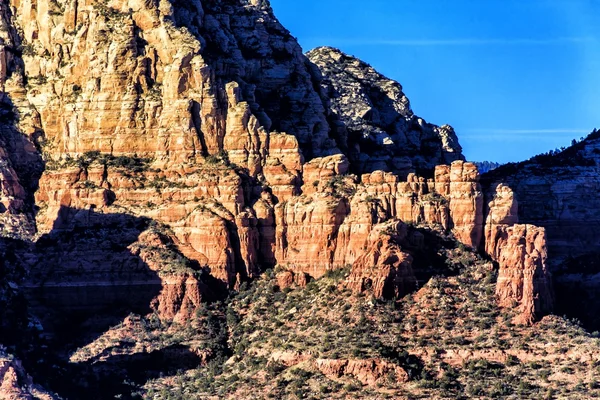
384	267
328	227
523	279
559	192
368	372
20	128
206	118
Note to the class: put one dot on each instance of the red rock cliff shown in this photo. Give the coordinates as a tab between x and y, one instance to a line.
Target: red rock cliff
211	122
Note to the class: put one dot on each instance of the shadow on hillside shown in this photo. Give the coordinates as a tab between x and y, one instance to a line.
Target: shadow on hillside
86	277
432	254
120	375
13	309
429	249
567	206
577	292
21	153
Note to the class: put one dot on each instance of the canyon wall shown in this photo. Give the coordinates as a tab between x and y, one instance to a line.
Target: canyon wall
188	146
20	129
559	193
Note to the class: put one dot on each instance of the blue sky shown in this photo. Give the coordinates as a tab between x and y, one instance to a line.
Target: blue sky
514	77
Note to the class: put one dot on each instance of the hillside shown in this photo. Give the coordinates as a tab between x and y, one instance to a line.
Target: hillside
190	207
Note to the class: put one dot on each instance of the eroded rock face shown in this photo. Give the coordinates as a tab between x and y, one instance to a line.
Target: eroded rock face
16	384
112	264
145	105
288	279
368	372
523	278
384	267
12	194
373	120
167	79
558	192
203	117
342	211
20	161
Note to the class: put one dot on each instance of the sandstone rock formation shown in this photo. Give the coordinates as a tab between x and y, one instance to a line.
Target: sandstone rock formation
20	161
384	267
15	384
343	211
373	120
288	279
368	372
109	261
523	278
337	222
558	192
158	154
203	118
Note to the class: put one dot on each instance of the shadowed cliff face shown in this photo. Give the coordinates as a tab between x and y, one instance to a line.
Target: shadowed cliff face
245	43
21	167
577	289
97	268
21	163
13	309
86	276
561	193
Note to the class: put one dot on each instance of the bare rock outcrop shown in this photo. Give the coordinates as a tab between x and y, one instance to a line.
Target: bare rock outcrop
288	279
384	267
113	259
368	372
20	128
170	79
523	278
206	119
341	222
557	191
373	120
560	193
16	384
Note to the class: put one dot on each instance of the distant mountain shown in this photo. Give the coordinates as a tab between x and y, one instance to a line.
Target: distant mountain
486	166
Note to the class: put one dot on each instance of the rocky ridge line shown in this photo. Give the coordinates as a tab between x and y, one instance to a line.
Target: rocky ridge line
372	119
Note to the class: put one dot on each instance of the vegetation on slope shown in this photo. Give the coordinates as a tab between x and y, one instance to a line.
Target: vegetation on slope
449	339
572	156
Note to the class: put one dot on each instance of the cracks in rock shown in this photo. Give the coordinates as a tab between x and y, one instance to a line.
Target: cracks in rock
195	109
